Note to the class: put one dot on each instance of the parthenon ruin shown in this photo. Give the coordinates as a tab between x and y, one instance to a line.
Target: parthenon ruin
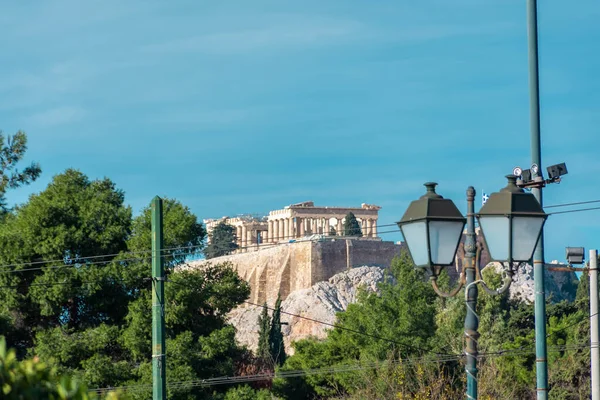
297	221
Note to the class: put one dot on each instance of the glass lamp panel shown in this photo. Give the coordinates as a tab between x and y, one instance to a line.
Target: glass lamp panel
443	240
415	234
525	234
495	230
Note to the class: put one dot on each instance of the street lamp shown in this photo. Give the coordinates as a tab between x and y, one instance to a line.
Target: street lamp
513	221
432	227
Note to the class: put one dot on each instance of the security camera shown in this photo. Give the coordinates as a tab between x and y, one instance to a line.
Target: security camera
556	171
575	255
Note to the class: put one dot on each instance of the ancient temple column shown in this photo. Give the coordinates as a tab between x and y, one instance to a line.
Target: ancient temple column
275	234
238	235
370	227
281	229
326	229
291	231
244	236
374	228
300	226
250	237
340	227
286	228
269	235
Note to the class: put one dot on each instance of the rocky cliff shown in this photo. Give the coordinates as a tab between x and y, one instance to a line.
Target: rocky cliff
321	302
302	308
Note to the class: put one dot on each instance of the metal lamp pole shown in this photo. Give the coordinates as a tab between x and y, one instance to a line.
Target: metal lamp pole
471	320
536	158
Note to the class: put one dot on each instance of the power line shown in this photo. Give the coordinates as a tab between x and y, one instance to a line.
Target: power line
350	330
573	211
97	263
49	284
284	374
77	260
75	265
334	325
357	366
573	204
569	326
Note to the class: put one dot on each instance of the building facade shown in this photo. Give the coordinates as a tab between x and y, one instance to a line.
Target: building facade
297	221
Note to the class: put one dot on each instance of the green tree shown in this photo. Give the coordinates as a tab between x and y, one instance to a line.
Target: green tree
245	392
222	241
33	379
403	311
71	219
264	326
90	318
200	343
12	151
276	346
351	225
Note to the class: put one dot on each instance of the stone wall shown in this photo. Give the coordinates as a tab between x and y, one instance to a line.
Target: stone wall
287	267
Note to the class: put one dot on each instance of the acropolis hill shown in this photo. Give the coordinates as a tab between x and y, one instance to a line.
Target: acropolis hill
294	247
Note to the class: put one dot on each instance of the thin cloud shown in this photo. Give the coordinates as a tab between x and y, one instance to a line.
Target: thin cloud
240	41
56	116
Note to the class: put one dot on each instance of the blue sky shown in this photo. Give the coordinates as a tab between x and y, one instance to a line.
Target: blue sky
247	106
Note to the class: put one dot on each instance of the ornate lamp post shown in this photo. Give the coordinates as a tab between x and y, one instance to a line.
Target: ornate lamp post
432	228
514	221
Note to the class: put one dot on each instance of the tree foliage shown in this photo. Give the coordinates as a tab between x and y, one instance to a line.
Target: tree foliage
90	318
12	151
264	330
276	346
351	225
406	329
404	310
222	241
73	218
33	379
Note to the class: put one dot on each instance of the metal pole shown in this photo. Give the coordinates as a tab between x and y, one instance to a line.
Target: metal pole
159	371
536	158
595	350
471	320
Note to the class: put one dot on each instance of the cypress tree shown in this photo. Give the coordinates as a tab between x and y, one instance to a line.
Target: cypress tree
351	225
264	324
276	337
222	241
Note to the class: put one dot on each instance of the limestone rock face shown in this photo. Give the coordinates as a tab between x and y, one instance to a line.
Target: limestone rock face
321	302
560	285
324	300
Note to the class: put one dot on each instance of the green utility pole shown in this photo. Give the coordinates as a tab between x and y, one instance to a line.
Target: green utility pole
159	370
471	320
541	360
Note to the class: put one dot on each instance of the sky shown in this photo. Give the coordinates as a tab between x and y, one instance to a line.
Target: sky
248	106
